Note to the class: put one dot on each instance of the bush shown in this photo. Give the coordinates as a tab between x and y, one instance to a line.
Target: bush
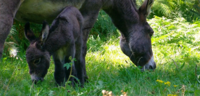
189	9
16	39
103	26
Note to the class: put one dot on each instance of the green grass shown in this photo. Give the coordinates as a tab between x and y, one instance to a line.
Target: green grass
176	47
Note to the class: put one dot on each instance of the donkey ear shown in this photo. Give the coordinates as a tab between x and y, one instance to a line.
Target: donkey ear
28	33
45	32
145	9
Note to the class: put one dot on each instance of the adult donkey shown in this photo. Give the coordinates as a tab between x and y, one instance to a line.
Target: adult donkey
135	31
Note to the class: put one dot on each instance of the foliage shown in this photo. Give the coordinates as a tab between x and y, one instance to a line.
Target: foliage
188	9
176	51
16	39
103	26
69	66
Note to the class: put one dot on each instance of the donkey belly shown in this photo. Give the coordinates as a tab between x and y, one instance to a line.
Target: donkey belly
40	10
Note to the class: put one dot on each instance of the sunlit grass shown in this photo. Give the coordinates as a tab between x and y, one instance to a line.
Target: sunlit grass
176	51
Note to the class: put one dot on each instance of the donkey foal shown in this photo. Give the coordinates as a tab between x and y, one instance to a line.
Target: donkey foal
62	40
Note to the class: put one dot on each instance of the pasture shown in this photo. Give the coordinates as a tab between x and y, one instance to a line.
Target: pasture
176	48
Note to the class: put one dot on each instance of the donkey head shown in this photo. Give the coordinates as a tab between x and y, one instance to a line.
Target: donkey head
37	57
137	45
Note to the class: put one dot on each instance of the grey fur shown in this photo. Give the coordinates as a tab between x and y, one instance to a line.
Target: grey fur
135	30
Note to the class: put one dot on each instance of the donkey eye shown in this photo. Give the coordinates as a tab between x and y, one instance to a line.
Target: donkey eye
36	61
151	34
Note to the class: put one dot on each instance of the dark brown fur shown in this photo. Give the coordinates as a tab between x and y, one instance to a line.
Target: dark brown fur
63	40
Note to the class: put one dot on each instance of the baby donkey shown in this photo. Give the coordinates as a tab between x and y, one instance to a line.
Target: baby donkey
62	40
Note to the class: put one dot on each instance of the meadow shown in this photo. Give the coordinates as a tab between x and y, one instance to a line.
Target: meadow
176	48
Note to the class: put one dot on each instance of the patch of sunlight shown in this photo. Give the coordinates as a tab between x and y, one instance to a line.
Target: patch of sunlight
112	54
13	51
158	56
166	54
93	55
115	55
112	47
197	37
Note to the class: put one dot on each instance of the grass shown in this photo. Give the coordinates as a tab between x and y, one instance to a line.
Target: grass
176	47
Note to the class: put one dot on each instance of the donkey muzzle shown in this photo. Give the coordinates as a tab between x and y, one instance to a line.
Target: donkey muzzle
36	78
151	65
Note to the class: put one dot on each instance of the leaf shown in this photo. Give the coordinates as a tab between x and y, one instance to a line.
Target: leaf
5	58
182	65
67	65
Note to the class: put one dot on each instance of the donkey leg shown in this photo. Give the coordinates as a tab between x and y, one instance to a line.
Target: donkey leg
61	57
8	9
79	68
59	73
90	15
67	52
80	62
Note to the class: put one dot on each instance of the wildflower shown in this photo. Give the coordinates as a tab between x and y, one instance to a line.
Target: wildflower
175	85
167	83
172	95
159	81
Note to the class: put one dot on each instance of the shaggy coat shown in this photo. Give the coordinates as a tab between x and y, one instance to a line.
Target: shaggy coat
63	40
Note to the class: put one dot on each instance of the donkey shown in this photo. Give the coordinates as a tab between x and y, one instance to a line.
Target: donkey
135	31
62	40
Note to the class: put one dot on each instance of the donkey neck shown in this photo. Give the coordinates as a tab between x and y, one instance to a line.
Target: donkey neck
123	14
